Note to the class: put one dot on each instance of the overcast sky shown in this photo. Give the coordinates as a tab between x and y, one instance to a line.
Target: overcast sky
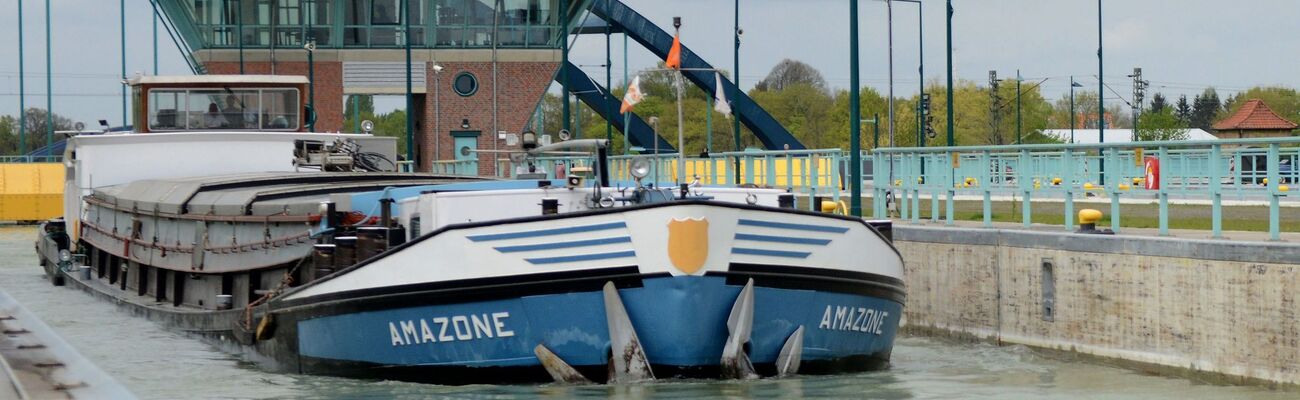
1183	46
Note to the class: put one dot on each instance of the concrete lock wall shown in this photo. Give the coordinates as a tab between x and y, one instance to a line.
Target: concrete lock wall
1214	309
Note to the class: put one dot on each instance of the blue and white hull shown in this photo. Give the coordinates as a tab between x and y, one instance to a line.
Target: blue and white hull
472	302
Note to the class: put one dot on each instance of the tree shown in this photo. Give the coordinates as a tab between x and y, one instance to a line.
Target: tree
1205	109
1158	103
1162	125
788	73
1183	110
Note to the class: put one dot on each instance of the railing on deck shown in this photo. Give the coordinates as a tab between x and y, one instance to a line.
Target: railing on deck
1242	169
811	172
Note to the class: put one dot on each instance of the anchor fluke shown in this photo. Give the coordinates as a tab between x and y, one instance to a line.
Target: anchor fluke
787	361
560	371
628	361
735	363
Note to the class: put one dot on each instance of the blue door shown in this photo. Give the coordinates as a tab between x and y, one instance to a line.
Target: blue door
466	156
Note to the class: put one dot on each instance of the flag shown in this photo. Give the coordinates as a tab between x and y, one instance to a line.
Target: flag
632	96
674	60
720	97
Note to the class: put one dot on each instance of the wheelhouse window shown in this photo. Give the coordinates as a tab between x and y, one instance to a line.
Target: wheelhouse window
223	109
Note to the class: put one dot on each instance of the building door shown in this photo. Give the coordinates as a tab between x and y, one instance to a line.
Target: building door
466	156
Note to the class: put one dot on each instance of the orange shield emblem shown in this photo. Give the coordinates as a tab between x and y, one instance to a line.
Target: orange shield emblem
688	243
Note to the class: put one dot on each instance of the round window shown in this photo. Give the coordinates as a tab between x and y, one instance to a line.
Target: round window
465	84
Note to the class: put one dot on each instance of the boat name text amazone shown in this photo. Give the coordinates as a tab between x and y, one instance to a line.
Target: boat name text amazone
850	318
449	329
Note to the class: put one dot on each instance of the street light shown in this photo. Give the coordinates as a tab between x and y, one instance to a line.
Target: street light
437	111
1073	85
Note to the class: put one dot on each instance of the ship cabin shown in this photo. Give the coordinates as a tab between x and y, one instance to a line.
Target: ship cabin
207	103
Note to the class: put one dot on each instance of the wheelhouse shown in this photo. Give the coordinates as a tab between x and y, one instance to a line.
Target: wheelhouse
220	103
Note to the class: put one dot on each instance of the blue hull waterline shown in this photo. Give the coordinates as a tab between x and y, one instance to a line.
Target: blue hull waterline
681	322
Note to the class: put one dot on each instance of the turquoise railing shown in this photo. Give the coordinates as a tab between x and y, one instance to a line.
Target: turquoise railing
30	159
1245	169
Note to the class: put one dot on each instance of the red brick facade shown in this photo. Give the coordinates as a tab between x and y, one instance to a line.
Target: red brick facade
521	87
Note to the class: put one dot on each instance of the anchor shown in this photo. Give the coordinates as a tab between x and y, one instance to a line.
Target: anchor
560	371
628	361
787	361
735	362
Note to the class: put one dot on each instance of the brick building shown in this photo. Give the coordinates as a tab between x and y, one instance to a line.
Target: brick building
360	50
1253	119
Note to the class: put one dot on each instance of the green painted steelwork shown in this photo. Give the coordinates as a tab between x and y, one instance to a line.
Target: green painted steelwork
360	24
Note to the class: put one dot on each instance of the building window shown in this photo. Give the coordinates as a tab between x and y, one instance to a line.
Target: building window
465	84
223	109
373	23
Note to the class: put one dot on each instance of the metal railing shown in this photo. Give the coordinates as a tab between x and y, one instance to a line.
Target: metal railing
1258	169
30	159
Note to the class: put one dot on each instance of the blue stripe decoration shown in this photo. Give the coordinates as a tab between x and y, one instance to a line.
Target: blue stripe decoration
772	253
582	257
547	232
781	239
564	245
787	225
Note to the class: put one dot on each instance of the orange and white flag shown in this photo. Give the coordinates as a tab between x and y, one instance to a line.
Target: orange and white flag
674	60
633	95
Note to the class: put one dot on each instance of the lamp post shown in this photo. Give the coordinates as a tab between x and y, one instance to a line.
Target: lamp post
311	80
735	122
920	70
410	99
122	14
1101	98
950	104
1073	85
437	111
855	121
22	87
49	81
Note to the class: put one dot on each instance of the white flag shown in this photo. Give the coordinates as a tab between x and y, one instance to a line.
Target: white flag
632	96
720	98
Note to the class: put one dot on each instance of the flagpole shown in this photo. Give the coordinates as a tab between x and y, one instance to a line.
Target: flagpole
627	118
681	132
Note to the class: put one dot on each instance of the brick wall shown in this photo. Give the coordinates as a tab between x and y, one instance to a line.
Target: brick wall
521	86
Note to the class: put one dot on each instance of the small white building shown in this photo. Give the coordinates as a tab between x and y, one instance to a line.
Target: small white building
1085	136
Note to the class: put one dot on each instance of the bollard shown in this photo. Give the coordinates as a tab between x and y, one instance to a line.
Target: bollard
1088	222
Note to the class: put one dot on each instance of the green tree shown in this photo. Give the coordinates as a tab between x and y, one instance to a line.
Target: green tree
1161	125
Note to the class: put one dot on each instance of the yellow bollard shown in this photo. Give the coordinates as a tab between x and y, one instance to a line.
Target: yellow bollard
1088	186
1056	181
898	182
1283	188
829	206
1137	181
1265	181
1088	219
1123	186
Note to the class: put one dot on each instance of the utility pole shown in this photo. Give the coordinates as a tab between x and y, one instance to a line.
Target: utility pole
49	81
1139	97
994	100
